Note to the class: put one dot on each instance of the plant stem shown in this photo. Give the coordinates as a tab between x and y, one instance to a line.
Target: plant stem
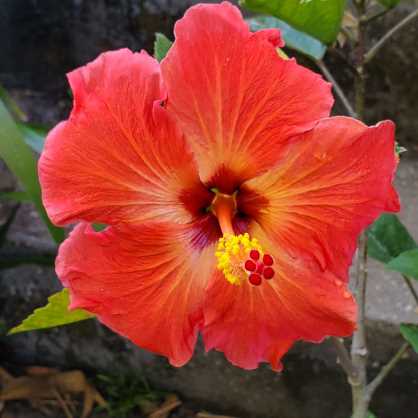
385	370
360	80
374	50
324	69
359	344
411	288
344	357
360	91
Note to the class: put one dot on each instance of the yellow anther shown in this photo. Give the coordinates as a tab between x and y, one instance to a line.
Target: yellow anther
232	252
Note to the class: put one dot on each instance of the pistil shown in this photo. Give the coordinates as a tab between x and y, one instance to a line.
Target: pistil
240	257
224	207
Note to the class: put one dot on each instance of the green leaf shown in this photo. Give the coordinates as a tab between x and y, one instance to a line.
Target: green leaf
34	135
294	39
387	238
410	333
16	196
399	149
54	314
11	105
406	263
161	46
319	18
389	3
99	227
21	161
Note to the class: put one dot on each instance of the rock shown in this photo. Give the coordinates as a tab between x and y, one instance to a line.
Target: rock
389	298
46	39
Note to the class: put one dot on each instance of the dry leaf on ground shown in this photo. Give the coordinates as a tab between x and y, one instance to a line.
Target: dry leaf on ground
42	385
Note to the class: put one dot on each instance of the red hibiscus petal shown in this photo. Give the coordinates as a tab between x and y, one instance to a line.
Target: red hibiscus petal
119	157
332	183
253	324
236	100
145	283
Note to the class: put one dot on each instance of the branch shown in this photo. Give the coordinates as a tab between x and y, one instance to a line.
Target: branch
359	345
337	88
344	357
385	370
374	50
411	288
358	348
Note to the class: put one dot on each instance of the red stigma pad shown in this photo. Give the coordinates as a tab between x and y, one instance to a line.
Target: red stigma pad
255	279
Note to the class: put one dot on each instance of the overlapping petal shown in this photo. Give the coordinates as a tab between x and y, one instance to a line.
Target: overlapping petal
119	157
253	324
236	100
331	183
145	283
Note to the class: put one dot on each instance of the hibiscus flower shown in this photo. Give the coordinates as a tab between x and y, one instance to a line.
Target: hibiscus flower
232	201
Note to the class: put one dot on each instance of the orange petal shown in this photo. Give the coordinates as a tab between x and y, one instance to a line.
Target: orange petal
119	157
236	100
145	283
330	185
253	324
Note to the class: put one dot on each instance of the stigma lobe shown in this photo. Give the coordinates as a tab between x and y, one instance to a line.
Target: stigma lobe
260	269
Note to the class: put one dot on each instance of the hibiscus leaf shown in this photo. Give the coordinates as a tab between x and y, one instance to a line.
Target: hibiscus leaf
405	263
410	333
99	227
34	135
11	105
21	161
389	3
161	46
387	238
16	196
321	19
294	39
399	149
54	314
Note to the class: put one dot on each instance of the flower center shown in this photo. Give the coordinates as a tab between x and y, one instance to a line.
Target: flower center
240	257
